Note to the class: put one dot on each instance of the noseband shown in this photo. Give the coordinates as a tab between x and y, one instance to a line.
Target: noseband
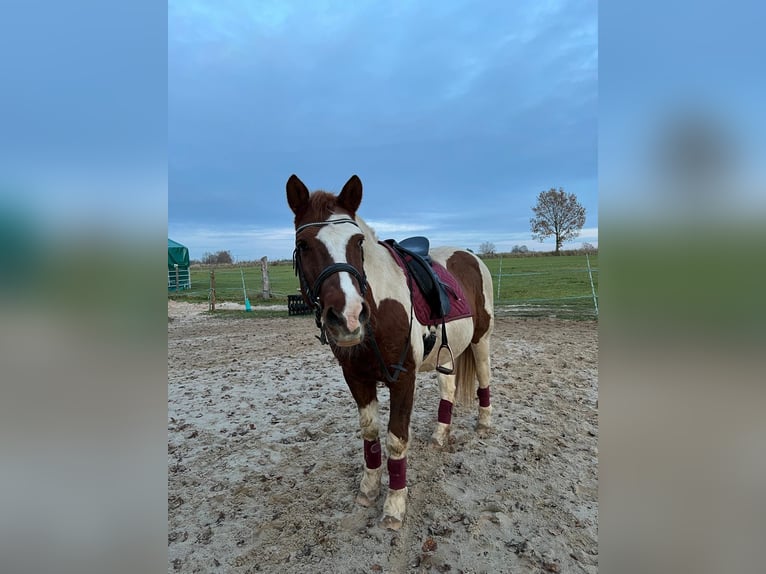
312	292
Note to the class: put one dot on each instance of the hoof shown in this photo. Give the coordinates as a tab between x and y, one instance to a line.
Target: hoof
441	435
391	523
436	443
364	500
483	430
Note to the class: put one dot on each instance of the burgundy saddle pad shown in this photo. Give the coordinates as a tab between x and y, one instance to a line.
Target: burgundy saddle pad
459	306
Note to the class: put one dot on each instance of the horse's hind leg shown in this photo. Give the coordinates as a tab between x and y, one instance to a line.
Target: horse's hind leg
481	357
447	388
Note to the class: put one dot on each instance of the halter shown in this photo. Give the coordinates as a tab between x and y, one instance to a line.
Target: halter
312	292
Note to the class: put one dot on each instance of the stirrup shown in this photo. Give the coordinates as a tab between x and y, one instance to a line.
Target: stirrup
441	369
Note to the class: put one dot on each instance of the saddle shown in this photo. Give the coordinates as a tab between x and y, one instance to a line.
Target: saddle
413	251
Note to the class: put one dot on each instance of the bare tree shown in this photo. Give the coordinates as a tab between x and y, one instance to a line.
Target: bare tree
558	214
217	258
487	248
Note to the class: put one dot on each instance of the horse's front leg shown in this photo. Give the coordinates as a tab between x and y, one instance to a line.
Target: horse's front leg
447	387
365	395
397	443
369	487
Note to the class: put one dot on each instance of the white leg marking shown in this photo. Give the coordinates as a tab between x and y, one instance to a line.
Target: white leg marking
440	437
485	418
394	508
396	500
368	421
481	356
369	487
447	387
397	448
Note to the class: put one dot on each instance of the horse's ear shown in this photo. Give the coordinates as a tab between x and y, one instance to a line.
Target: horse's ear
297	194
351	195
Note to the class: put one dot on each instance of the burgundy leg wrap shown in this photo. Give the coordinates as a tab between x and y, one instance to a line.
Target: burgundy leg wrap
397	473
445	411
372	453
483	397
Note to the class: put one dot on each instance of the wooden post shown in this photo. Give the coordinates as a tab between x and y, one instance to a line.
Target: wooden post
592	288
212	290
499	276
265	273
178	285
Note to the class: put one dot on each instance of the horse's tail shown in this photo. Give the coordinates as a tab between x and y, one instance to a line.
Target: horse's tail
465	375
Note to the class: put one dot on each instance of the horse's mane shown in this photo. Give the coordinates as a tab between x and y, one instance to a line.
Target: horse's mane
369	232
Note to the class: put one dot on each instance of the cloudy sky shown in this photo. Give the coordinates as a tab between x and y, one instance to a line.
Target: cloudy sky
455	115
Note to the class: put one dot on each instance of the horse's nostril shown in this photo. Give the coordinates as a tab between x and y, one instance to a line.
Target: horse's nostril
334	318
365	314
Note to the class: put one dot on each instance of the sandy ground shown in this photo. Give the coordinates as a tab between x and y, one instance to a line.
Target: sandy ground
265	456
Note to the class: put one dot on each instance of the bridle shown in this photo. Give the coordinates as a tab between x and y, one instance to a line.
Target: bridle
312	294
312	291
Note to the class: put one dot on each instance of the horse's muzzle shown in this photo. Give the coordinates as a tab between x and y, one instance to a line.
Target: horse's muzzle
338	326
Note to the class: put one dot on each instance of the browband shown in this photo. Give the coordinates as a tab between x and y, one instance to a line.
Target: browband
322	223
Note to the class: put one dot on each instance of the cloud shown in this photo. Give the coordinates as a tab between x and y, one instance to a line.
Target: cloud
441	108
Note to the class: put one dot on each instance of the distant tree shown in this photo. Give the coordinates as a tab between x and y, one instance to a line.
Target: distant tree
224	257
519	249
557	214
588	247
487	248
217	258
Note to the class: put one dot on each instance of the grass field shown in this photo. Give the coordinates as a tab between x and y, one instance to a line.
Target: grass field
544	285
529	285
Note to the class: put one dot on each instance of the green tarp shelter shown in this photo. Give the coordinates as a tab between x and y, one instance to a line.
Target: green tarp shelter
178	255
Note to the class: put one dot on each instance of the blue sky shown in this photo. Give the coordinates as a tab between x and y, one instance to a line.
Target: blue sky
454	114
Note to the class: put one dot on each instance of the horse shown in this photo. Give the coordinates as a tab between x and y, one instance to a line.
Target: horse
363	303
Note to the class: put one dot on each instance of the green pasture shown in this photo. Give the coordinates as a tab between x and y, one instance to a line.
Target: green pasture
528	285
228	283
535	285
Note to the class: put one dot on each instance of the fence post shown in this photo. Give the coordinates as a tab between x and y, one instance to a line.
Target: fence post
265	273
212	290
499	277
178	285
592	288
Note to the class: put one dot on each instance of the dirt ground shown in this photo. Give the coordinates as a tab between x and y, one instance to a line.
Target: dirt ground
265	456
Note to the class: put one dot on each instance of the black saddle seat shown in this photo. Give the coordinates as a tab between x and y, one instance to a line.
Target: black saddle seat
418	245
414	252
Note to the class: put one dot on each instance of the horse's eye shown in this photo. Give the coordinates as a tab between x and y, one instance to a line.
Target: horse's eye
301	245
361	241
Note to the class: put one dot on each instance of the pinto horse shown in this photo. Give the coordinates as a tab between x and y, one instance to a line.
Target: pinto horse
363	301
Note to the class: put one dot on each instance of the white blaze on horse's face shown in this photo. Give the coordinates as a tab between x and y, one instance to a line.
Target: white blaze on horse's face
336	240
